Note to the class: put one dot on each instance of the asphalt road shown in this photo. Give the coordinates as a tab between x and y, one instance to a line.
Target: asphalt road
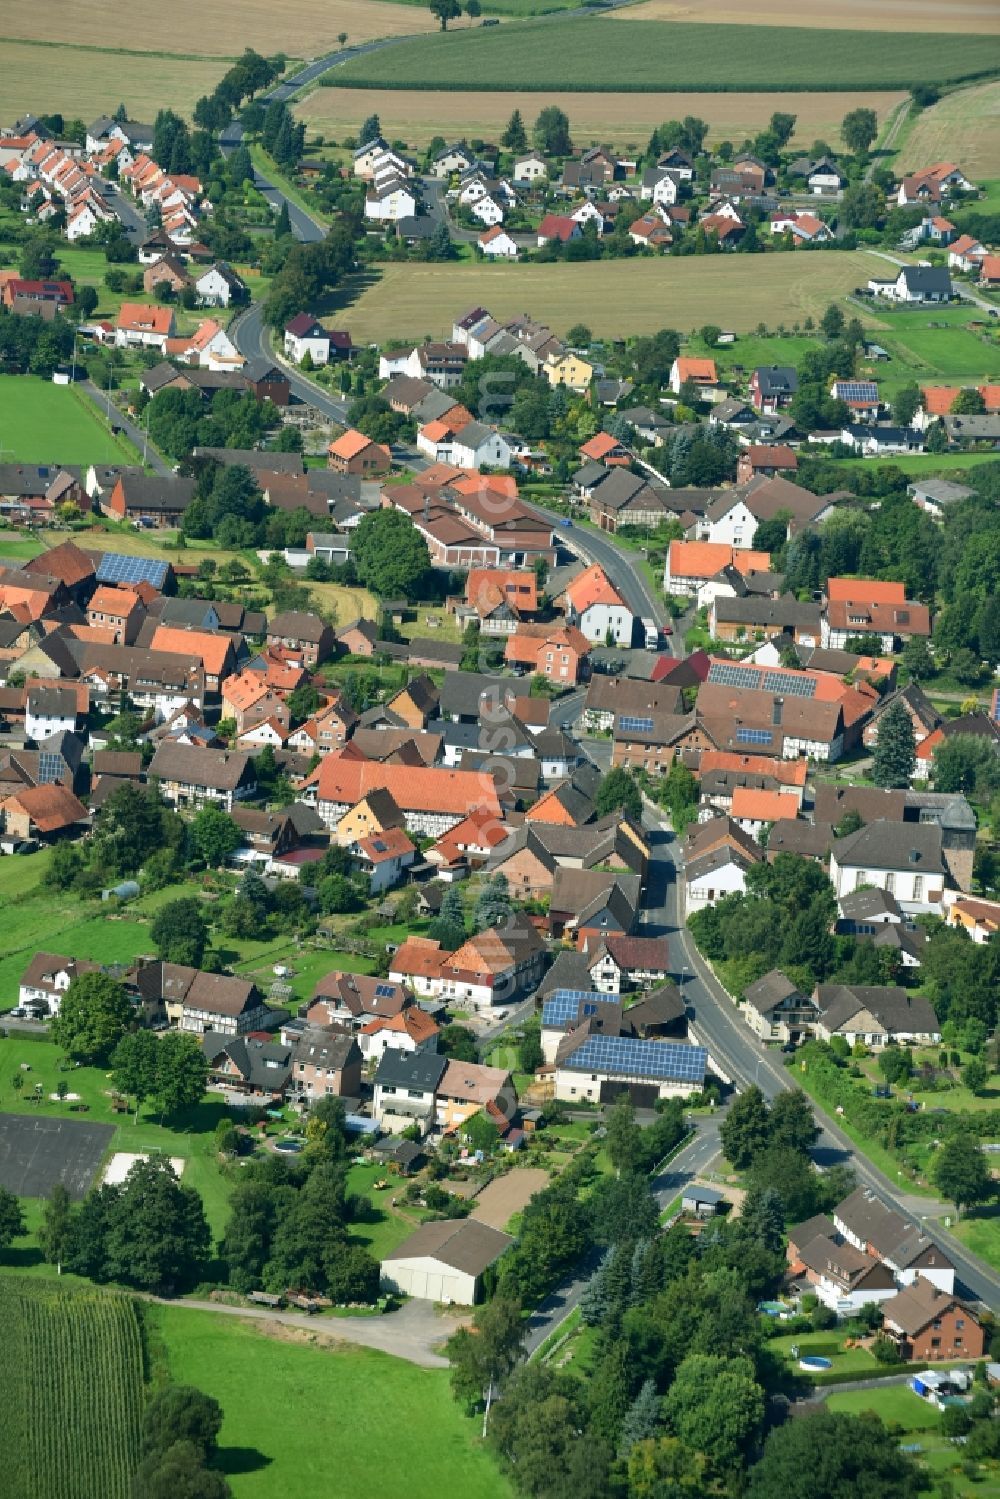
738	1052
136	436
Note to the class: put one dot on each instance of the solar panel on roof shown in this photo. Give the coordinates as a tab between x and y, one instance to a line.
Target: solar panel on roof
789	683
50	767
118	567
629	725
564	1004
384	991
856	390
627	1056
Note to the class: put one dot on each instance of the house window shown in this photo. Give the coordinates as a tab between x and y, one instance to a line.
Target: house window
959	1323
859	879
935	1342
890	884
918	886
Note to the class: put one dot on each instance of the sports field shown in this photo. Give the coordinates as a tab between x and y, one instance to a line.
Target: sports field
622	120
383	1426
45	423
963	127
616	298
593	54
979	16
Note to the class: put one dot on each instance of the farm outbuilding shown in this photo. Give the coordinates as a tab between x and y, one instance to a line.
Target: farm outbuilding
445	1261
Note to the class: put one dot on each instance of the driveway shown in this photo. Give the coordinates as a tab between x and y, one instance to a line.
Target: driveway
414	1333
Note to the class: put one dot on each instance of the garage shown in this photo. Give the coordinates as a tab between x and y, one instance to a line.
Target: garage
445	1261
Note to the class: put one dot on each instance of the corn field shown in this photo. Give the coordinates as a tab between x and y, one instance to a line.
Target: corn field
71	1392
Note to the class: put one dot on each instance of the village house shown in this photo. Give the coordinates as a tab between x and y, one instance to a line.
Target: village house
354	453
433	800
905	1249
302	635
776	1010
903	858
191	777
248	1066
304	335
876	1015
326	1064
47	977
597	609
928	1324
858	606
148	500
716	859
221	1003
144	327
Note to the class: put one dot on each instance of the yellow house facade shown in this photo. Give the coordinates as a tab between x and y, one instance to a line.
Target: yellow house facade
569	370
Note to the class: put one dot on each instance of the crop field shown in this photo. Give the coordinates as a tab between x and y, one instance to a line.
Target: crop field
71	1391
572	55
389	1427
82	84
623	120
963	126
214	29
45	423
979	16
614	299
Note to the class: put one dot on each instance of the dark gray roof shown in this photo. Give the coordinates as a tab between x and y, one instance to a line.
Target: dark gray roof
461	692
869	905
255	459
465	1245
419	1070
927	280
897	1011
222	770
769	992
767	613
912	846
777	380
150	492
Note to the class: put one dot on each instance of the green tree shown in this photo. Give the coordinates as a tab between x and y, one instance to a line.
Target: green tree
663	1467
623	1138
968	402
792	1122
458	1042
858	129
716	1406
642	1419
390	555
551	132
618	792
515	138
12	1221
178	1473
895	754
181	1075
832	322
493	908
215	836
246	1244
445	11
134	1064
833	1456
484	1356
862	206
55	1231
905	405
94	1015
960	1171
975	1075
895	1064
917	658
745	1129
180	931
789	1173
181	1413
967	763
156	1237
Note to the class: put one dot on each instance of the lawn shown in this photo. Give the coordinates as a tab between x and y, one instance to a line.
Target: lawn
891	1402
950	352
619	119
307	1420
846	1361
568	55
383	1230
189	1136
628	297
980	1232
46	423
17	548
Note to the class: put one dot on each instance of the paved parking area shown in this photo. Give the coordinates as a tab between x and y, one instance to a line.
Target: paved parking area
36	1153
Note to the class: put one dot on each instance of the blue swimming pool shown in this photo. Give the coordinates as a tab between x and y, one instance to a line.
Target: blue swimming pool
812	1363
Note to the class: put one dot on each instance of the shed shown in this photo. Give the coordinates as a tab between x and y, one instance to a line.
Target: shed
445	1261
705	1201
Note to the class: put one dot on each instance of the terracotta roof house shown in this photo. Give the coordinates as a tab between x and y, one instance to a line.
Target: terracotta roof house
699	371
354	453
43	811
432	799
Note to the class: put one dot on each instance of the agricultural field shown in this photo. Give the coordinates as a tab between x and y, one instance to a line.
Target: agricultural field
45	423
384	1426
630	297
567	54
84	82
621	119
963	126
221	32
70	1392
978	16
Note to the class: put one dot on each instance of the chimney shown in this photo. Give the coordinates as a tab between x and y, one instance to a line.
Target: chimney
776	709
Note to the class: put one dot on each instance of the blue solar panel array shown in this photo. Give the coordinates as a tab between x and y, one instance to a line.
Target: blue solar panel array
563	1005
117	567
790	683
856	390
753	736
623	1056
630	725
384	991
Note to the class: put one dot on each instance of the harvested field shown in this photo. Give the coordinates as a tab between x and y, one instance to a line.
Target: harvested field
615	298
84	84
219	30
592	55
979	16
620	120
963	127
507	1195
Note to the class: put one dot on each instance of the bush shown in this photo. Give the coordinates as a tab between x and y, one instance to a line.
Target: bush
885	1351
